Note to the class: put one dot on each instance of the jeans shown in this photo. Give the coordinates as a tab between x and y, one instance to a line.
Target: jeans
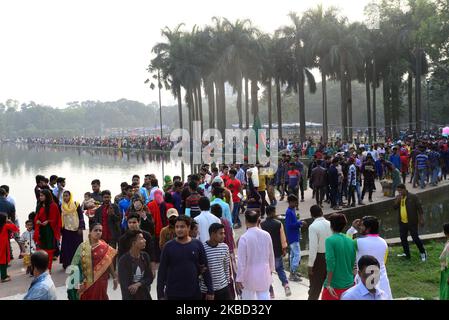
334	195
295	256
279	265
422	177
319	194
235	213
435	172
359	194
404	229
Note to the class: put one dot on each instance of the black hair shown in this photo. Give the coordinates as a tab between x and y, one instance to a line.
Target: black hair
193	224
252	216
60	179
214	169
214	227
2	192
31	216
233	172
401	186
124	184
96	181
195	177
3	218
204	204
366	261
53	177
105	192
169	198
39	178
177	178
128	187
216	210
133	215
178	184
88	194
130	236
338	222
5	187
93	225
48	201
29	221
193	185
185	218
154	183
371	223
270	210
136	176
316	211
446	228
67	191
218	192
292	198
39	260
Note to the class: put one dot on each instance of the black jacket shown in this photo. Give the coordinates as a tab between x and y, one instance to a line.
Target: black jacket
113	221
8	208
126	269
414	208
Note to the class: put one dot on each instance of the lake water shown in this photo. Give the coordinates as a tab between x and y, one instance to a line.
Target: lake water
19	164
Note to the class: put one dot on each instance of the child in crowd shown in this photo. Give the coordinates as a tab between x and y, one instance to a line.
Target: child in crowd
89	205
28	245
6	227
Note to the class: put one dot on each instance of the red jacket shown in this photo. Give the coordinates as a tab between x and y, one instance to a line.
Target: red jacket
156	213
55	222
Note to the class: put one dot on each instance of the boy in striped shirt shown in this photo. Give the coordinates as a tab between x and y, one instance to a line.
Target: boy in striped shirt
218	258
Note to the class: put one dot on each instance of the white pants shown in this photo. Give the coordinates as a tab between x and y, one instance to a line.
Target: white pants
255	295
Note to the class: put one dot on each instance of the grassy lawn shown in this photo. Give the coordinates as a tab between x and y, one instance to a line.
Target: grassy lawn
410	278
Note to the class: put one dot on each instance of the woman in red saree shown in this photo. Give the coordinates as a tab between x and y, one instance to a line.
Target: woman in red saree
47	225
158	209
94	262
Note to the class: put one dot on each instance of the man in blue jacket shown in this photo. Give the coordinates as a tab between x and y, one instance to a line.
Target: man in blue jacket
293	229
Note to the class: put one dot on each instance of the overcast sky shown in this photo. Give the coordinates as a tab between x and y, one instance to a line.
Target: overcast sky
56	51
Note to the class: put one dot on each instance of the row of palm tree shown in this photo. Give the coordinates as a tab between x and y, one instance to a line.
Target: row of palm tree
199	63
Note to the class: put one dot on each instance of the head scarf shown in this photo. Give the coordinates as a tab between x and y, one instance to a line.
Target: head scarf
159	199
69	215
168	183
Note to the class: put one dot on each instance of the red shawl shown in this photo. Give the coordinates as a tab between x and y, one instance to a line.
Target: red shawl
156	213
54	218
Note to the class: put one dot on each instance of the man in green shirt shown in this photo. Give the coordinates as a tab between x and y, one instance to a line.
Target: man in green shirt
340	260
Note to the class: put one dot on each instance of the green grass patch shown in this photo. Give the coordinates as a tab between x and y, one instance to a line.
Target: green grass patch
409	278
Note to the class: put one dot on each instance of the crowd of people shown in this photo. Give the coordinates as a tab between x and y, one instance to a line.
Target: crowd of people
125	142
184	231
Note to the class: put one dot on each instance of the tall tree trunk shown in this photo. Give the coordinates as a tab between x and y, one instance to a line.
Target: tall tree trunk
344	118
410	100
302	107
246	103
278	106
395	105
200	108
217	104
179	107
190	106
387	106
418	88
368	101
211	102
195	99
254	99
324	95
222	113
350	129
270	103
239	102
374	102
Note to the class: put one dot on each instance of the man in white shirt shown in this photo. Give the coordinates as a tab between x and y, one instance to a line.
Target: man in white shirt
319	231
367	288
255	260
255	175
205	219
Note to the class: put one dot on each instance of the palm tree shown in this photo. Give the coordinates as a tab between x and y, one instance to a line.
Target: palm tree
345	57
295	36
321	35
